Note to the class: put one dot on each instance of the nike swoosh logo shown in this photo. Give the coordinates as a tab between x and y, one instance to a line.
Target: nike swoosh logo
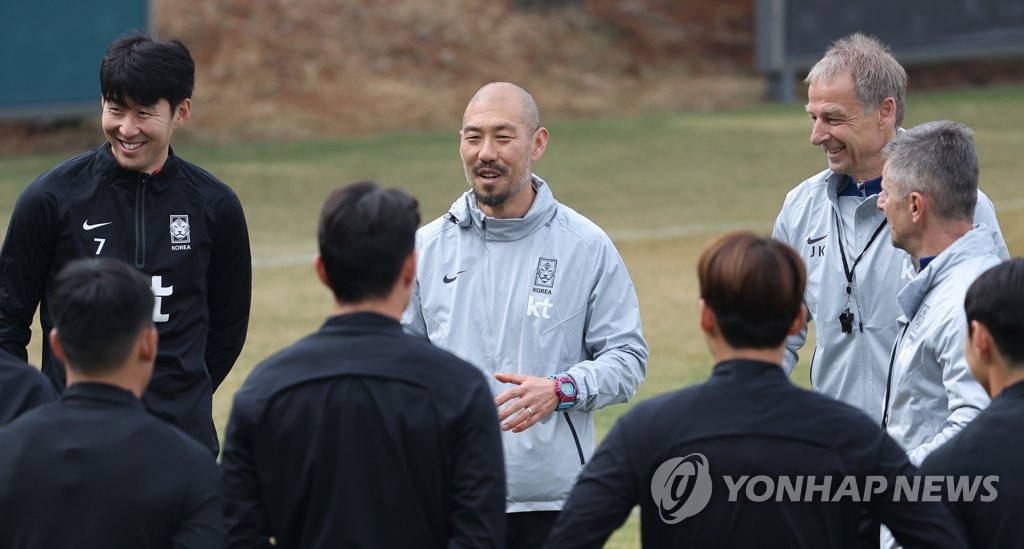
813	240
89	227
449	280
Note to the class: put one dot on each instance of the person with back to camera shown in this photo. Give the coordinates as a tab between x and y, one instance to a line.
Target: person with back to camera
673	455
360	435
94	469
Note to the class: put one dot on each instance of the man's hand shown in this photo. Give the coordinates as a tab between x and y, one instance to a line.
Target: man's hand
532	399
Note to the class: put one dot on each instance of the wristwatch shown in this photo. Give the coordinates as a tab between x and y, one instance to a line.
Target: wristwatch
565	390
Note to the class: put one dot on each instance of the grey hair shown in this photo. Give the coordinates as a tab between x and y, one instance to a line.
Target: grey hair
938	160
876	73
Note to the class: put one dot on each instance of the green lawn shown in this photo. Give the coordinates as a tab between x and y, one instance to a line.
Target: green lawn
661	186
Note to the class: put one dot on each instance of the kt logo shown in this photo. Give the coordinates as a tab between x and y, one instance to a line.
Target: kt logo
538	308
681	487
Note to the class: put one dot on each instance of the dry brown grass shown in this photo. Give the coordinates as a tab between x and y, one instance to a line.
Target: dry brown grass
289	69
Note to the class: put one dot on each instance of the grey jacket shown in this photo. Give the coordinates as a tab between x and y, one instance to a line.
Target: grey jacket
851	367
932	394
539	295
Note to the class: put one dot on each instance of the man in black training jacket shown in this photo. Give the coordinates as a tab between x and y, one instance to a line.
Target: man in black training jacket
360	435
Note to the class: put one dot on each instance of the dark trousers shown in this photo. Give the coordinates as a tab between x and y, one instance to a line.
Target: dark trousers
529	530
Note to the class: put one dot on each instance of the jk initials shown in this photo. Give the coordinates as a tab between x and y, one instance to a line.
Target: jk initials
818	251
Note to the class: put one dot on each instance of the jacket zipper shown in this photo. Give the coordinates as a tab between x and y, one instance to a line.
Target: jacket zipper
888	382
140	221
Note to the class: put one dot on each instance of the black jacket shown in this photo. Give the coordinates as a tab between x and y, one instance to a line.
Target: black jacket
22	387
989	446
95	470
362	436
748	419
181	226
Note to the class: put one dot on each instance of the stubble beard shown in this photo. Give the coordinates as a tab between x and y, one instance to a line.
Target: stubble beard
500	198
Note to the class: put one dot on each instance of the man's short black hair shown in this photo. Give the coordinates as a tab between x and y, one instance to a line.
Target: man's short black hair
365	234
99	307
996	299
143	70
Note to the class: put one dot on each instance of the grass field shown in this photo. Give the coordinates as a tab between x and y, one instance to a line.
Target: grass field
661	186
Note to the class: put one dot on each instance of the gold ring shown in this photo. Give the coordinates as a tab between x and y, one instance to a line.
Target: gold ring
529	410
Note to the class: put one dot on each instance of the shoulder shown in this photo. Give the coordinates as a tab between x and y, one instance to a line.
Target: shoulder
15	373
437	230
809	191
206	183
59	180
582	229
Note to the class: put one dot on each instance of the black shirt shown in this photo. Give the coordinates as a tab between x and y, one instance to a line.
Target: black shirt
22	387
747	419
181	226
362	436
95	470
990	445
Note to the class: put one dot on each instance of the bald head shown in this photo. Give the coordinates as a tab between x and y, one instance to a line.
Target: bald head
497	92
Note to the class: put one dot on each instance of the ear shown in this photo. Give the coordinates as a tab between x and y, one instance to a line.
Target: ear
183	112
708	322
408	274
917	203
981	340
149	341
799	322
55	346
886	113
540	143
321	271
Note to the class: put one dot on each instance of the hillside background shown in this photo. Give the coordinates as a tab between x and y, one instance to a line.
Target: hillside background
292	69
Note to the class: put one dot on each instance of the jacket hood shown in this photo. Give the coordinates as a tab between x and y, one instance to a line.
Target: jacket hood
977	242
465	213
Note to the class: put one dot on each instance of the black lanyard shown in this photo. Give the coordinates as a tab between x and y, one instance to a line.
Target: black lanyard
842	251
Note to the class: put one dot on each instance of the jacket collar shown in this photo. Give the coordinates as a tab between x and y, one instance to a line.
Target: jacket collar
100	392
466	214
361	322
976	242
742	369
117	173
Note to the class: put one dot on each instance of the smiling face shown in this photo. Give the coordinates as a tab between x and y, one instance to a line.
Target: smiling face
498	149
851	137
140	135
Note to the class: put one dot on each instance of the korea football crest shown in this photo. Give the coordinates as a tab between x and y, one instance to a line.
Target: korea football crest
181	234
543	283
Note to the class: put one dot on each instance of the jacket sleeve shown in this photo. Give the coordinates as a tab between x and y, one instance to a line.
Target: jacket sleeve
229	290
965	396
412	320
478	494
913	523
612	336
245	516
794	342
602	497
985	213
25	263
203	522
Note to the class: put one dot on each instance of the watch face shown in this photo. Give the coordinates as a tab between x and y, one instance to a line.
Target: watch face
568	389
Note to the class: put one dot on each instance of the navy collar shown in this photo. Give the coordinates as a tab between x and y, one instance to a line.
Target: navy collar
924	261
865	190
